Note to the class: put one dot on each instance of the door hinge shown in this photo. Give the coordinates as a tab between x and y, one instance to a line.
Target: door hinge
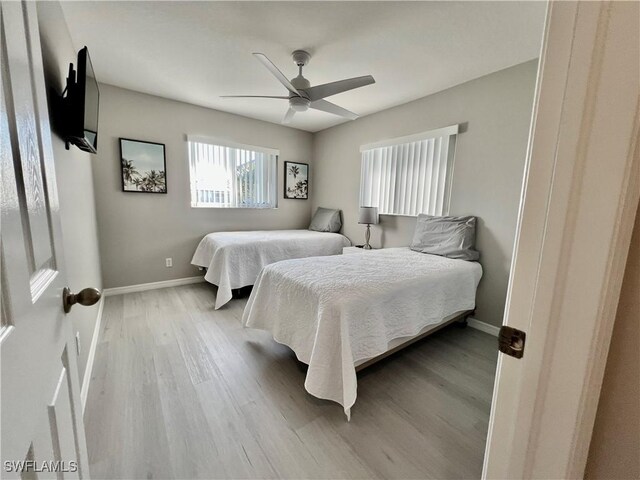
511	341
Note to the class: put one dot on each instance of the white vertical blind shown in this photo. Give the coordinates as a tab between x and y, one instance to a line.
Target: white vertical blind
409	175
231	175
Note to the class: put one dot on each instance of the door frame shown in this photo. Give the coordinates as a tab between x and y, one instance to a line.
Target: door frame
582	171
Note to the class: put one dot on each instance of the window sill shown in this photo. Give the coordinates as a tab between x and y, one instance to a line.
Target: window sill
397	215
232	208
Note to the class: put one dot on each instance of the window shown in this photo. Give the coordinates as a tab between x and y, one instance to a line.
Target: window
409	175
227	175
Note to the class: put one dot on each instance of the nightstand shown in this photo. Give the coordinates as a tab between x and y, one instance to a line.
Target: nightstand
349	250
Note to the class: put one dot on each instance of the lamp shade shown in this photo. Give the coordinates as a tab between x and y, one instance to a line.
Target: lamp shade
368	215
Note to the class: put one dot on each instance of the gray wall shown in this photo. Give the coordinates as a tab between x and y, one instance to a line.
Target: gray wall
613	453
74	179
488	173
138	230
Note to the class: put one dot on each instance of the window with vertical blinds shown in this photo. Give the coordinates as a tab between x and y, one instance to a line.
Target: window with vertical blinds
227	175
409	175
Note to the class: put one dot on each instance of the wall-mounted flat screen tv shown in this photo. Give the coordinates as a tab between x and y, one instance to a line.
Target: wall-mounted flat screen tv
82	105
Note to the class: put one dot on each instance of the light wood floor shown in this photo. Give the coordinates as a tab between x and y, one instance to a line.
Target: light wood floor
179	390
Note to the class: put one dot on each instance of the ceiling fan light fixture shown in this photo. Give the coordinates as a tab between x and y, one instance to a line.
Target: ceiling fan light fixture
299	104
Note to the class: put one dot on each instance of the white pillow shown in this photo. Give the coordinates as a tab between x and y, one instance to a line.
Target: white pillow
451	237
326	220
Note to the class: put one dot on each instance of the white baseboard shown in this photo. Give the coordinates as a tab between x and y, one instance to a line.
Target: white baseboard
483	327
108	292
86	379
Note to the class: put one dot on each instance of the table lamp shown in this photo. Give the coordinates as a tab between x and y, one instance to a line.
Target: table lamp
368	216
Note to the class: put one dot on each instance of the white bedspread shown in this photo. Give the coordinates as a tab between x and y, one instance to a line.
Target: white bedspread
335	311
234	259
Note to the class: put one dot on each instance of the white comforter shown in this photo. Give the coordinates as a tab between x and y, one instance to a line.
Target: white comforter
335	311
234	259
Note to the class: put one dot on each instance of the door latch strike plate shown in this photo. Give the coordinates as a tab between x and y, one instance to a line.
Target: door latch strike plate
511	341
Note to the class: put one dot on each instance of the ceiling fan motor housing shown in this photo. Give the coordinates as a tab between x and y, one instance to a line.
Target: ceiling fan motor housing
300	82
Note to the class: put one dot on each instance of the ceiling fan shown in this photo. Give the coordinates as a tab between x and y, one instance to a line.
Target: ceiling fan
302	95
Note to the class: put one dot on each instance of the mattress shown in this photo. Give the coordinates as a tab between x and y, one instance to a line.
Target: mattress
335	312
234	259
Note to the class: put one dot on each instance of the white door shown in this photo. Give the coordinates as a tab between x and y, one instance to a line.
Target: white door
575	225
40	399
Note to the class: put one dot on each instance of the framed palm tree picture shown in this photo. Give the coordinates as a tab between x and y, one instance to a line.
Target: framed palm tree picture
143	165
296	180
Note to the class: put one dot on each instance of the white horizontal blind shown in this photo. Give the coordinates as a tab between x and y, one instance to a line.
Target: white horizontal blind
225	176
409	175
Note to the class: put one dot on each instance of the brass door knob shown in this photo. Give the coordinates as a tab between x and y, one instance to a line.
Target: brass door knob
86	297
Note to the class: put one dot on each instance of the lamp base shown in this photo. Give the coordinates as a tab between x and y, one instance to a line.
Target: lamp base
367	236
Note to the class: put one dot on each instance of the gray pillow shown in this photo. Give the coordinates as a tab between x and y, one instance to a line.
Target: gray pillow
452	237
326	220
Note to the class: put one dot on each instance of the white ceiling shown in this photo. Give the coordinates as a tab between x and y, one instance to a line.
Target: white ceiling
196	51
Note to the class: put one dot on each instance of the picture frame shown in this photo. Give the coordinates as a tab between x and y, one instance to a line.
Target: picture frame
143	166
296	180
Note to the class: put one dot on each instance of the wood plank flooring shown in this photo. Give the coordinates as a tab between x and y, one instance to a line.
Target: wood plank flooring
180	390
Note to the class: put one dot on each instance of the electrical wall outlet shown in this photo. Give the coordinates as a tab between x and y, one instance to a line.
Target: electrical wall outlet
78	343
168	262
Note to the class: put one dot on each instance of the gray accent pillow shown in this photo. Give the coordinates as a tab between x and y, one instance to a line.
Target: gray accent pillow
452	237
326	220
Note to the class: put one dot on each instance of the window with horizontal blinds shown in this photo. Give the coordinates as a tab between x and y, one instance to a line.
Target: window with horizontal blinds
229	175
409	175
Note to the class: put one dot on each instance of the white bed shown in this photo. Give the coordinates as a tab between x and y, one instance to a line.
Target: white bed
339	312
234	259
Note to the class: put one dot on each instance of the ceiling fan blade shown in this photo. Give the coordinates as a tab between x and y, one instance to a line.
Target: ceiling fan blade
275	72
252	96
333	108
289	115
333	88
